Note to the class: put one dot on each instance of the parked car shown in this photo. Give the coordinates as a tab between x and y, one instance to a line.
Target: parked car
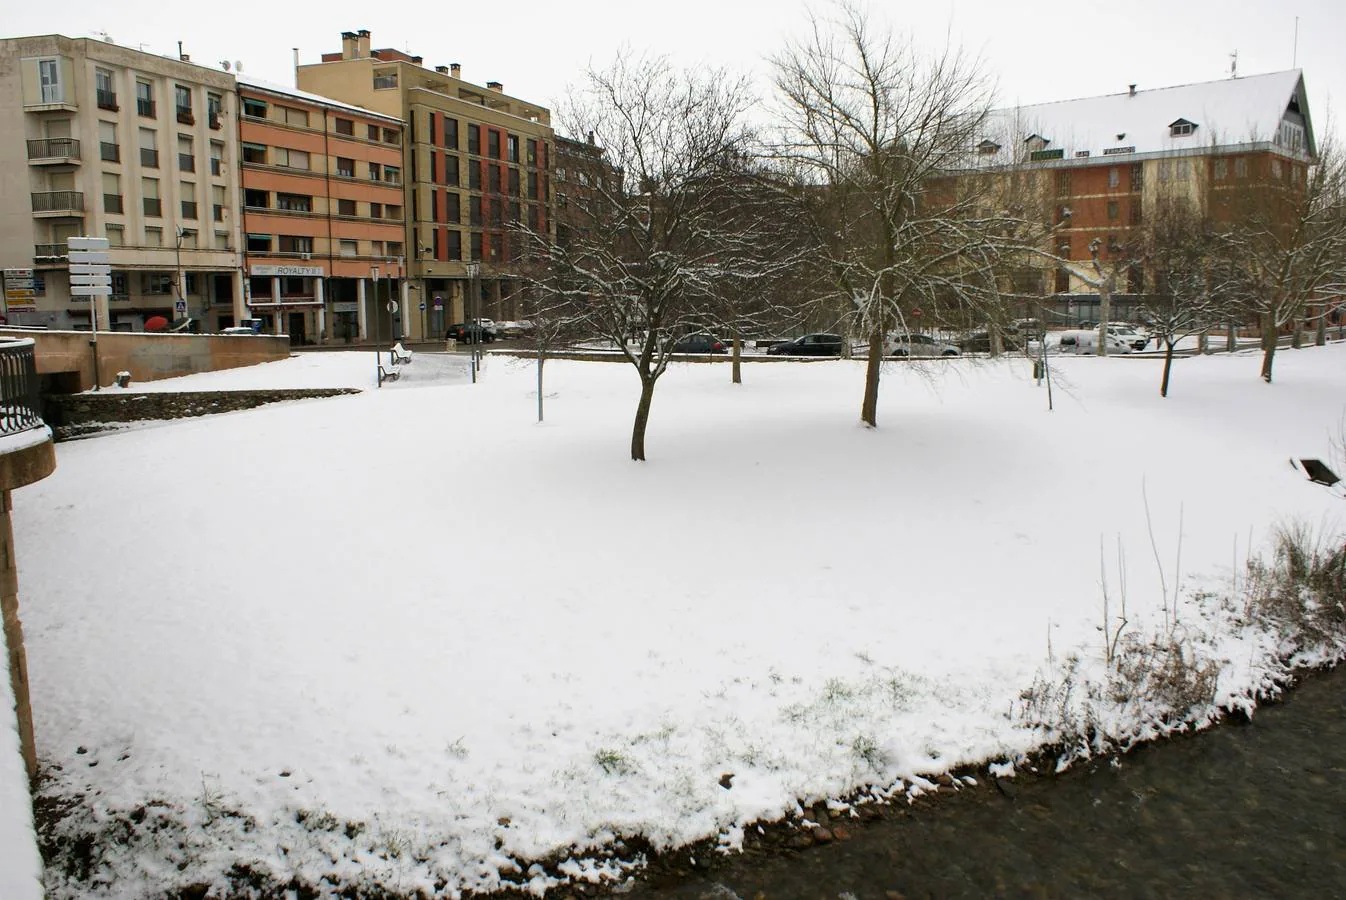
463	332
917	345
1137	337
818	344
490	326
512	329
1086	341
699	343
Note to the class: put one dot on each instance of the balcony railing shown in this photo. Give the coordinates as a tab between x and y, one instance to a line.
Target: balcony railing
53	148
58	201
185	115
50	251
215	121
109	152
149	158
153	206
186	162
107	100
145	107
112	203
20	398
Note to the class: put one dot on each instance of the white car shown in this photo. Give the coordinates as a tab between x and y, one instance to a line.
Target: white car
917	345
1086	342
1136	337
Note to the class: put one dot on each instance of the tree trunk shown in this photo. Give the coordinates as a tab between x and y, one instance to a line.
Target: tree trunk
540	360
642	418
1296	336
1104	313
996	345
738	359
1320	333
1231	340
1168	367
1269	341
1203	343
869	411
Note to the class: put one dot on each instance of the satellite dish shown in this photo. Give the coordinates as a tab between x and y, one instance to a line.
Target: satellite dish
238	65
224	64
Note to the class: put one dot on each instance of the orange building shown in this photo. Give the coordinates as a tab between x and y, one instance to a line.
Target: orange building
323	216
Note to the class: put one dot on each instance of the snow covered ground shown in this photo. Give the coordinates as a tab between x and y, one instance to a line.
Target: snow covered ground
20	865
325	369
413	638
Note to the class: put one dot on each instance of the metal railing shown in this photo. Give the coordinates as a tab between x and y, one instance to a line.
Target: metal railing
145	107
50	251
186	162
53	148
58	201
109	152
112	203
149	158
20	395
107	100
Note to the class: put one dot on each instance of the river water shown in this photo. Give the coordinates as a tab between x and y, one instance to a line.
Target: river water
1255	809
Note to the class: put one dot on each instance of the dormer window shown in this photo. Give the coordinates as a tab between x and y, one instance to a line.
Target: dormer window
988	148
1181	128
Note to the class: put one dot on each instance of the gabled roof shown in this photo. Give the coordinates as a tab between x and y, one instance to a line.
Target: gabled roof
1228	112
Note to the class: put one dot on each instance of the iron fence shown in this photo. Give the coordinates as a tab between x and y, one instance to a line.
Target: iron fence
20	395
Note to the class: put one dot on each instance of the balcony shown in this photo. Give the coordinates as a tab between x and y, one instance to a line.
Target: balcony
186	162
107	100
185	115
50	251
153	206
112	203
149	158
109	152
57	151
145	107
57	203
214	119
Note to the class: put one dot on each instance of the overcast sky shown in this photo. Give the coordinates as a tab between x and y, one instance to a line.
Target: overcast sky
1036	52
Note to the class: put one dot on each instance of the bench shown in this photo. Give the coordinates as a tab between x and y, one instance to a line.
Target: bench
397	356
400	355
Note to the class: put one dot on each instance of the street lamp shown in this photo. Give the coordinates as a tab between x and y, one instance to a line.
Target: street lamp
474	332
182	295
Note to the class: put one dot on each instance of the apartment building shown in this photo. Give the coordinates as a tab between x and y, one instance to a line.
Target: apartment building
141	149
476	159
324	219
1104	164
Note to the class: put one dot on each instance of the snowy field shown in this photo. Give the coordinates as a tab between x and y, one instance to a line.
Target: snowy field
413	638
324	369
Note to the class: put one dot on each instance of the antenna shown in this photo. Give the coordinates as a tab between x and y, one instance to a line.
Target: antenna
238	65
1234	64
1294	59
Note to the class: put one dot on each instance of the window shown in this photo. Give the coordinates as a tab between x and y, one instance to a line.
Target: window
295	243
254	153
392	174
514	212
474	210
532	153
103	89
1221	169
451	133
392	212
350	248
532	217
259	243
375	172
497	213
49	77
1063	183
1134	215
493	179
295	116
149	151
376	210
186	154
1275	168
254	199
145	99
1114	177
222	240
474	174
376	248
217	202
514	182
493	143
346	207
1062	285
254	109
532	185
384	79
474	139
149	193
451	171
434	206
1181	128
452	212
112	193
1137	177
1114	209
395	248
392	136
214	104
453	248
108	150
1241	167
183	97
372	131
290	159
345	167
154	237
216	158
116	237
187	197
476	246
294	202
344	126
513	148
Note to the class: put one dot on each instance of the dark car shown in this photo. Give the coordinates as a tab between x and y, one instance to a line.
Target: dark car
809	345
469	332
699	343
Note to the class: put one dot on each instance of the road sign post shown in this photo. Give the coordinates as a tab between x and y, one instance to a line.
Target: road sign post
91	276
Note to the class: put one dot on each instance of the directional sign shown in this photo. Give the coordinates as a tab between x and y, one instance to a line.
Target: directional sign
89	269
89	290
98	257
91	280
86	243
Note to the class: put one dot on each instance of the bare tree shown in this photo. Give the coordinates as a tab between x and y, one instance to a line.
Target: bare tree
1289	231
880	129
651	249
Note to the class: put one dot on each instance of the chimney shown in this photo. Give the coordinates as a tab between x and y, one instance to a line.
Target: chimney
418	59
348	46
1132	90
443	70
590	137
362	43
495	86
455	70
185	57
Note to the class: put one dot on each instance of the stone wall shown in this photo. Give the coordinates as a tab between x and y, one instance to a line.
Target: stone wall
148	357
70	415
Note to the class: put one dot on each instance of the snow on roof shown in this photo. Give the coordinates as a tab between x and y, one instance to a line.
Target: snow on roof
1230	111
272	88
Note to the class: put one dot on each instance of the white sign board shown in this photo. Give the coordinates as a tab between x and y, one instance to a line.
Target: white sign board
276	271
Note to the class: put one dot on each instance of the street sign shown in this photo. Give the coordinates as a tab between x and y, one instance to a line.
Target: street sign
86	243
439	303
180	306
91	280
89	290
422	306
392	306
89	269
97	257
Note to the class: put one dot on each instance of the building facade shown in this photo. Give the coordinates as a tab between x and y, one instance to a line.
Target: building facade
324	216
106	141
477	162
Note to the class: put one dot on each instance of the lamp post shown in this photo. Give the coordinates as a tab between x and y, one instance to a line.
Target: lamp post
182	295
374	277
470	313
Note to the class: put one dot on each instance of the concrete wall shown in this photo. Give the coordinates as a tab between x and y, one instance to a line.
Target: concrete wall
70	415
148	357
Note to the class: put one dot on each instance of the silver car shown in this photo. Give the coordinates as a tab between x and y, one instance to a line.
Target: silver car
917	345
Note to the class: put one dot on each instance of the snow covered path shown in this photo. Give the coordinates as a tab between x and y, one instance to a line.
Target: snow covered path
477	639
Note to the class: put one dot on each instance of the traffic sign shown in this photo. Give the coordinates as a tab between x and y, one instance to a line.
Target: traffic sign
89	269
422	306
89	290
91	280
180	306
439	303
392	306
97	257
86	243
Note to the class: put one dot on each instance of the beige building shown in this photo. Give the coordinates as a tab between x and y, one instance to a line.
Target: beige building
477	160
106	141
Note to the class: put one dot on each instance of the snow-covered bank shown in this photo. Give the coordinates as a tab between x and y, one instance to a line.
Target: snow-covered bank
411	637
